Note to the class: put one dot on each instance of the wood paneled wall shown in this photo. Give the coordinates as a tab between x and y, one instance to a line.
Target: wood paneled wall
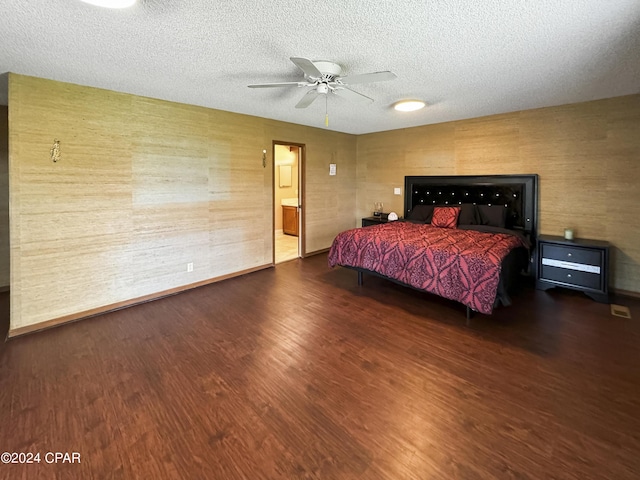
587	156
4	198
144	187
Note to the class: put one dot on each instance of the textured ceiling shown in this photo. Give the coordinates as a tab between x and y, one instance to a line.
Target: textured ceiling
465	58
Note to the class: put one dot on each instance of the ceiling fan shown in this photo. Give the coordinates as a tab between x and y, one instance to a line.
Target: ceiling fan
325	78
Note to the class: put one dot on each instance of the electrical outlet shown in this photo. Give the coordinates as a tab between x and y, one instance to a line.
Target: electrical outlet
397	191
190	267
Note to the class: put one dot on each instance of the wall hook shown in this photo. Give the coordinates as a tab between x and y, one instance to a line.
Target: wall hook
55	151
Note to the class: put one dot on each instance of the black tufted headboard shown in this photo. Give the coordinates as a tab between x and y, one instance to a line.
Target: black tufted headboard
518	192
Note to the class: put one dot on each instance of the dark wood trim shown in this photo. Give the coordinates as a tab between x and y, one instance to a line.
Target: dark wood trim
317	252
625	293
4	289
16	332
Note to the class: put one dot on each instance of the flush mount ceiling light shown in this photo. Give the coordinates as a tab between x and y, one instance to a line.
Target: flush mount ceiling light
409	105
111	3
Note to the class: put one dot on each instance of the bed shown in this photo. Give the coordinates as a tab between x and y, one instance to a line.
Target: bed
470	239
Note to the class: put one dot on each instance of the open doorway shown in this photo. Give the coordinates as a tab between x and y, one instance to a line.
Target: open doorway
288	235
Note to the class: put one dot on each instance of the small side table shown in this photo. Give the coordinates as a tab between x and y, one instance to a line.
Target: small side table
368	221
579	264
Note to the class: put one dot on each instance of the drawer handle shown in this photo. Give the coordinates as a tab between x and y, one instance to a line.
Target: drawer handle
568	254
568	275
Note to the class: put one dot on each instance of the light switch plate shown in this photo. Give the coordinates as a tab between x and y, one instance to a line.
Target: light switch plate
397	191
332	169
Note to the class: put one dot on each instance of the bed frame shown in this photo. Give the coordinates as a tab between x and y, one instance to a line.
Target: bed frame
519	193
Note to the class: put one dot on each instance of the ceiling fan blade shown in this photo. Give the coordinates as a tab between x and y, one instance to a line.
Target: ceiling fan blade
308	99
282	84
368	77
351	95
307	66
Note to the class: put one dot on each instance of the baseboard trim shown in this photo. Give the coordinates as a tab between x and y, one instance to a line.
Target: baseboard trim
316	252
625	293
74	317
4	289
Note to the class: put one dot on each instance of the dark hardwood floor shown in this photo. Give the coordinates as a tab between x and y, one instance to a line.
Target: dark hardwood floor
296	372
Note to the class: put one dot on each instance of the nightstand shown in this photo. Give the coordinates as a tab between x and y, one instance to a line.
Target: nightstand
368	221
579	264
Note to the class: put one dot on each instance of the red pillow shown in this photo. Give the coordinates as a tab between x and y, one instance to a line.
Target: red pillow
445	217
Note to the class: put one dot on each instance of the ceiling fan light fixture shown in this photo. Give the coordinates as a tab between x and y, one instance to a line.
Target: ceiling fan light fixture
111	3
409	105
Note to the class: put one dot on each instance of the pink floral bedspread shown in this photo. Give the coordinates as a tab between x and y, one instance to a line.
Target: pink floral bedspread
461	265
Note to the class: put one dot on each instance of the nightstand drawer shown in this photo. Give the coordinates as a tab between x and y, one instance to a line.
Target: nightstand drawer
572	254
572	277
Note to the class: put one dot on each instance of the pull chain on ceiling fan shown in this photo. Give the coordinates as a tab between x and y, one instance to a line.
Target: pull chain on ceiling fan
325	78
326	111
